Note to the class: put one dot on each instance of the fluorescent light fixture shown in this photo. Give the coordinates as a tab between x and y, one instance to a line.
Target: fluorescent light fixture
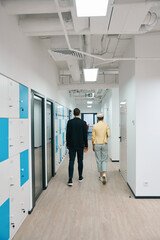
91	8
89	102
122	103
89	106
90	75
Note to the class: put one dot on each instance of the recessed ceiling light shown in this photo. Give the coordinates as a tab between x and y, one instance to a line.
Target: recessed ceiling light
89	106
89	102
90	75
91	8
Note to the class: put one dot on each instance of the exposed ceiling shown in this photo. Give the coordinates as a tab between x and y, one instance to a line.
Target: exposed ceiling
76	43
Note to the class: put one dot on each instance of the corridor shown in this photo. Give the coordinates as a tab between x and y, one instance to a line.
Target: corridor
90	210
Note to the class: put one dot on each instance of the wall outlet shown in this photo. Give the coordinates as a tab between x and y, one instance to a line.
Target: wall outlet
145	183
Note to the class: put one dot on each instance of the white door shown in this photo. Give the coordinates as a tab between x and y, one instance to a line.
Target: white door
123	139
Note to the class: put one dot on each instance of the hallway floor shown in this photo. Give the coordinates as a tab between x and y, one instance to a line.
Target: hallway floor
90	210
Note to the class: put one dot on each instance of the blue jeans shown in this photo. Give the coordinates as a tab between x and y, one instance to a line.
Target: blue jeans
72	155
101	153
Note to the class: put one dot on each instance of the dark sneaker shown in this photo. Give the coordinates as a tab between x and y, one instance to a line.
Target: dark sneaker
80	179
104	179
70	183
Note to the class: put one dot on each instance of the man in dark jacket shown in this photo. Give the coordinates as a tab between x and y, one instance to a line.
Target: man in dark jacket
77	142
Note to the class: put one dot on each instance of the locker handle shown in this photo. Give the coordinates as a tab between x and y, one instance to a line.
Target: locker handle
10	105
120	138
11	145
13	225
21	142
23	210
22	175
11	184
22	109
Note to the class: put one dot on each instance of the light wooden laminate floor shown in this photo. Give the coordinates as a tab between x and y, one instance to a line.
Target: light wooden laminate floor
90	210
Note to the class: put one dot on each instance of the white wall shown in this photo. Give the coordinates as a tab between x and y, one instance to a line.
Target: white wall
83	108
110	108
25	60
148	116
127	86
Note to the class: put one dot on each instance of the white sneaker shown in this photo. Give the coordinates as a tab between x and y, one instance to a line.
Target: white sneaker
104	179
100	179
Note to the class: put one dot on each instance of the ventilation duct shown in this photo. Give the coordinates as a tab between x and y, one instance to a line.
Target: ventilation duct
149	22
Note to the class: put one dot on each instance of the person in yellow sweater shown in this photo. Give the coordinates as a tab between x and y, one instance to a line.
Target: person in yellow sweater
100	134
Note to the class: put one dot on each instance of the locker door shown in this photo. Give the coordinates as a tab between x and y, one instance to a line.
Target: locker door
60	155
5	220
14	176
14	173
24	167
13	99
60	126
23	98
123	139
24	201
15	212
56	143
4	113
14	139
4	181
24	134
4	136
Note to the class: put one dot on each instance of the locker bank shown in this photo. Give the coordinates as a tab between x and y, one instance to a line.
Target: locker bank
46	47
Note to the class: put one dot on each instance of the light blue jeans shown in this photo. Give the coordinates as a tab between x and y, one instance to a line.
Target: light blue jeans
101	153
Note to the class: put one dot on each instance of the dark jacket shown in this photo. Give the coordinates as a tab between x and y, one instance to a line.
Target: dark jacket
76	133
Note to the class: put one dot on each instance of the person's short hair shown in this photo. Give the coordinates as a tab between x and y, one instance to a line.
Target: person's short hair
100	118
76	112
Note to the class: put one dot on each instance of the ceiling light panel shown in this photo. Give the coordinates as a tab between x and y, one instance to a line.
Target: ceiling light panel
90	75
91	8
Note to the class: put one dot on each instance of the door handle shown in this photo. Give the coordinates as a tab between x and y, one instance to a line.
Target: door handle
120	138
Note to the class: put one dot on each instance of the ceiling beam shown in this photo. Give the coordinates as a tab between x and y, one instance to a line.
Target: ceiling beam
20	7
88	86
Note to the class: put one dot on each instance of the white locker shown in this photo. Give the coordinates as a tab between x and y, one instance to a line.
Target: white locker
60	140
14	173
15	212
4	109
56	126
24	134
63	125
13	99
14	139
24	201
63	152
4	181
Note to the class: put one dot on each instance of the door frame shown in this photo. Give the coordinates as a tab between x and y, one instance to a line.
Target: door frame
34	93
52	135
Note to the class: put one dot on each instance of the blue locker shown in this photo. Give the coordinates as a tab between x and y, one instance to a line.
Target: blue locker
56	111
5	221
57	143
66	124
63	138
4	139
63	113
60	127
23	98
24	167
